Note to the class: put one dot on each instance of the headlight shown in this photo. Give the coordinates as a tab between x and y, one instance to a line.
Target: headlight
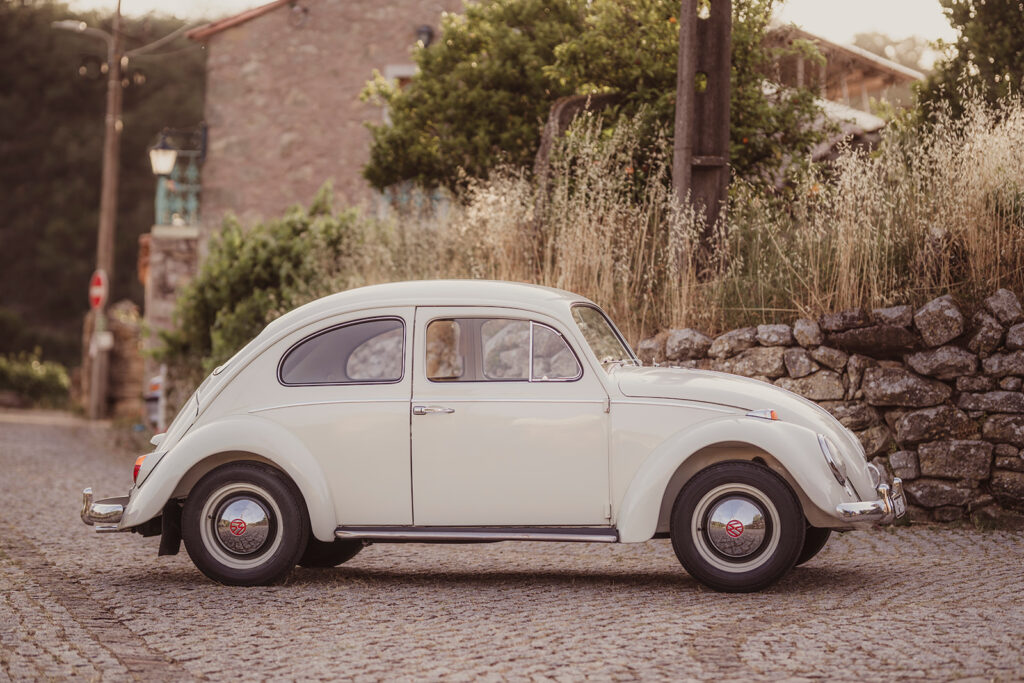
832	457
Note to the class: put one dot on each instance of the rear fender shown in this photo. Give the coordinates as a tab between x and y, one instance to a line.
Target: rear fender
231	439
791	448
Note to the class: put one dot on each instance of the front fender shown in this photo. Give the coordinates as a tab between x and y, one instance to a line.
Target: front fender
236	433
794	447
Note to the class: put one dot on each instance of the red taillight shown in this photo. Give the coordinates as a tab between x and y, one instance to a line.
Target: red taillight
138	466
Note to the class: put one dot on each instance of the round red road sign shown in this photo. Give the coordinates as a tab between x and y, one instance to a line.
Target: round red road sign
734	528
98	289
237	526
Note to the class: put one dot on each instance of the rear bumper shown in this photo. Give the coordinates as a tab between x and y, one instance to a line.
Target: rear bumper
890	506
104	514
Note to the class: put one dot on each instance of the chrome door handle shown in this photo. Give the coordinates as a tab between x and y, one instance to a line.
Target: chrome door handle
431	410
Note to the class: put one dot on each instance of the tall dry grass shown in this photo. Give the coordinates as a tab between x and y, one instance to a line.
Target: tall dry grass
936	208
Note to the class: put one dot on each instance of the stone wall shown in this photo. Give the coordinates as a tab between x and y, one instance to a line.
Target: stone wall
934	397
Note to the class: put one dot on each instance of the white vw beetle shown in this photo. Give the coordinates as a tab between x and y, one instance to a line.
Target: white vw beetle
468	411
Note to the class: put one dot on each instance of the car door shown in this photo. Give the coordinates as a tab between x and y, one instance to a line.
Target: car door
509	423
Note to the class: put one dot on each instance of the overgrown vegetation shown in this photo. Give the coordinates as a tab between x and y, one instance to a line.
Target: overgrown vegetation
937	208
485	87
33	380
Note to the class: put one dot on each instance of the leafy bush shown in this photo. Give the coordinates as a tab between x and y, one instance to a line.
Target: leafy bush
33	379
252	276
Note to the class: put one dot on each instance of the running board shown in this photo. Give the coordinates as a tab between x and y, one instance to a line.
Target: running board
477	534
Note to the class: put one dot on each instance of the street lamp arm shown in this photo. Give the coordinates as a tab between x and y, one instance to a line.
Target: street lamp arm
84	29
159	42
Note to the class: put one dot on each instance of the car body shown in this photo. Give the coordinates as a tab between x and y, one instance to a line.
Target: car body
459	411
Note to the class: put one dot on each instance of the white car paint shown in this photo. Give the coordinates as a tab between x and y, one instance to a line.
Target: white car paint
598	451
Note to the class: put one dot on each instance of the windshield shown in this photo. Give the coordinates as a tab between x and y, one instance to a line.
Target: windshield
602	337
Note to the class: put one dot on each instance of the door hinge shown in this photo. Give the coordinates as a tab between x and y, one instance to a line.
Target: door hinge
607	404
607	510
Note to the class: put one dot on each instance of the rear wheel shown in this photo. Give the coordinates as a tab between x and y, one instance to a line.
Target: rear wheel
320	554
245	524
737	527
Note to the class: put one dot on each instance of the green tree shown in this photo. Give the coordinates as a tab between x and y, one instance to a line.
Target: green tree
480	96
987	56
631	47
484	90
51	140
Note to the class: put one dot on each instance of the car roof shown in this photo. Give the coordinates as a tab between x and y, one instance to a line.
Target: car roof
435	293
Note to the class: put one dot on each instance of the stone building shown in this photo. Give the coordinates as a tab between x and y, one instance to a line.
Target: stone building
282	98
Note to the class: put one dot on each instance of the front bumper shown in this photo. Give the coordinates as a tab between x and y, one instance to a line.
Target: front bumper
104	514
890	506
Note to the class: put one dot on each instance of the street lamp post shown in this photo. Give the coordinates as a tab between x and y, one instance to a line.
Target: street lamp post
99	350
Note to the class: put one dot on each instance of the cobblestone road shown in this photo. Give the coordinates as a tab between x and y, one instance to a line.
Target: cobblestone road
918	603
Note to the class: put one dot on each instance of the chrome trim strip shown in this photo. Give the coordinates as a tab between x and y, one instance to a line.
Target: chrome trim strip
480	534
676	403
328	403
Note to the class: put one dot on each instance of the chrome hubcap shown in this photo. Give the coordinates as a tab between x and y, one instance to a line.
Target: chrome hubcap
736	526
243	525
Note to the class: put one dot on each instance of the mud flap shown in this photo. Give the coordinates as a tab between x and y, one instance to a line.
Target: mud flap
170	537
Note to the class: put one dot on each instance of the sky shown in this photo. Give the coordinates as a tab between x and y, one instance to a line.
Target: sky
836	20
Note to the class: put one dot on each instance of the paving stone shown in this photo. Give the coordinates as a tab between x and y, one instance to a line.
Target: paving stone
489	612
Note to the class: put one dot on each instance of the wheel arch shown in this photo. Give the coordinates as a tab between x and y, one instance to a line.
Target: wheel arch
789	450
241	438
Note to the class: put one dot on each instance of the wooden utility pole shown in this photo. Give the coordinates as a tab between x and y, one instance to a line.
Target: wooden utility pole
700	161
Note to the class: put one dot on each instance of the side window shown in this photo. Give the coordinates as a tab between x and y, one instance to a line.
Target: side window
497	350
506	348
362	352
552	358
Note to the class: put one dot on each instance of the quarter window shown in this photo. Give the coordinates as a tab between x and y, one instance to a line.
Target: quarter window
363	352
497	350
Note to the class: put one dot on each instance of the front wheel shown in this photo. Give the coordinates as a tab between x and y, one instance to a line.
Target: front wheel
245	524
737	527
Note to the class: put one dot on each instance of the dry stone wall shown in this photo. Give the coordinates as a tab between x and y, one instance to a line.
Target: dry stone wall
934	396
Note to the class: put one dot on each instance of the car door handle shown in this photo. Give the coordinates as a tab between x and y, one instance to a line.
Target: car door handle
431	410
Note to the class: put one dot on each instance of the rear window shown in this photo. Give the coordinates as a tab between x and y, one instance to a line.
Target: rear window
361	352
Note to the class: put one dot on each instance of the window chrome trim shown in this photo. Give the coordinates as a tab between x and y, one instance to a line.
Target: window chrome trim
579	365
318	333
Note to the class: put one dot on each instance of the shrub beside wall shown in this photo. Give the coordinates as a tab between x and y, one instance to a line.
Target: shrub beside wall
934	396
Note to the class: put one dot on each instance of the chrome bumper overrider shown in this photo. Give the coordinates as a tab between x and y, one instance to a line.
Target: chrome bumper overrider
891	505
104	514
